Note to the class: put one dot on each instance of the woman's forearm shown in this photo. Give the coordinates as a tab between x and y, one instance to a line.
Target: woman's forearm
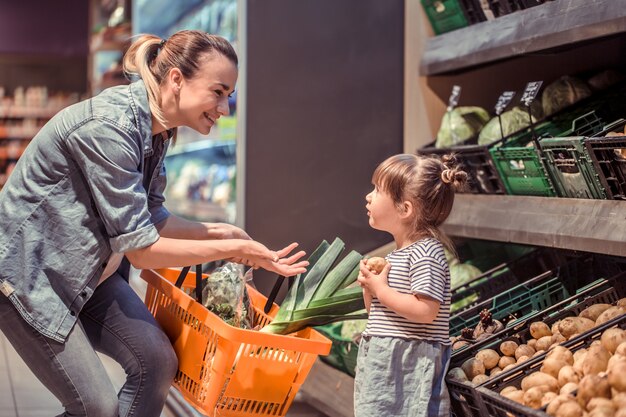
167	252
409	306
175	227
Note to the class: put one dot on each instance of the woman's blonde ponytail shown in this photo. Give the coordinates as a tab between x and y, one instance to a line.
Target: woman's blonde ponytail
138	60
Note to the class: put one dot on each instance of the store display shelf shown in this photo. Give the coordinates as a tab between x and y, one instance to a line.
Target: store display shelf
27	112
597	226
523	32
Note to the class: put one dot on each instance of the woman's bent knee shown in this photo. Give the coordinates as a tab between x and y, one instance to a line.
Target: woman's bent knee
101	406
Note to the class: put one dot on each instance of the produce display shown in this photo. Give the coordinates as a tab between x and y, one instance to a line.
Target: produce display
556	367
509	122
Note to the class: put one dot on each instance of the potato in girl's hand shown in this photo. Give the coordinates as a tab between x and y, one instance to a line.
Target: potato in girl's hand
376	264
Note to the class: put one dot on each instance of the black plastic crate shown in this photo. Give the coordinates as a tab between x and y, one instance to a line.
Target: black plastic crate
496	405
507	275
478	163
608	155
465	401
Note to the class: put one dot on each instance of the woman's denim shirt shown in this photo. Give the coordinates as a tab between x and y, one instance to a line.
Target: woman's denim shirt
90	183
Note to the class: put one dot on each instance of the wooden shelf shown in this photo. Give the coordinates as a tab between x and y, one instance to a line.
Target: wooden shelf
587	225
553	25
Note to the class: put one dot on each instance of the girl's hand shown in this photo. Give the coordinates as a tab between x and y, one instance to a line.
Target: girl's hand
371	282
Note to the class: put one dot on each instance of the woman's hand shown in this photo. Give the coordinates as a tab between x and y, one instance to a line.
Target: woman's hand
372	283
281	263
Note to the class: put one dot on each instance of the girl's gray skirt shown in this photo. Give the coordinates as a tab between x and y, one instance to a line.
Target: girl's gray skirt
400	377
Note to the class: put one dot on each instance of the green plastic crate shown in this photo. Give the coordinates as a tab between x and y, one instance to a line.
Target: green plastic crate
445	15
571	168
533	295
343	352
522	172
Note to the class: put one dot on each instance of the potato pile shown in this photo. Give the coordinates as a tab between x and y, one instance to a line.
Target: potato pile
588	382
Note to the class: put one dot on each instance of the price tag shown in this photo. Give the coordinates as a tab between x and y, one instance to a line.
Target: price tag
503	101
532	88
454	97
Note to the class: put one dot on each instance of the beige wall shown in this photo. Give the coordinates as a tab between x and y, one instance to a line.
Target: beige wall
422	108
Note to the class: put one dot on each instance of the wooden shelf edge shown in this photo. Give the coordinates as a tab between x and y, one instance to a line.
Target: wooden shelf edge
597	226
522	32
329	390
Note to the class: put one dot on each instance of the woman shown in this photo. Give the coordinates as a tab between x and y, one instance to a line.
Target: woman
89	191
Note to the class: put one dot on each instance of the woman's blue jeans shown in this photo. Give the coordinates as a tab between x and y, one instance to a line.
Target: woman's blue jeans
117	323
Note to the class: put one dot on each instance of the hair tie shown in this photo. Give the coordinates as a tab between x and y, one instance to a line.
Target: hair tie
447	176
162	43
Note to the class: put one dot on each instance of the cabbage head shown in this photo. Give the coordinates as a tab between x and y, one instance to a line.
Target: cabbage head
462	273
512	121
460	124
563	92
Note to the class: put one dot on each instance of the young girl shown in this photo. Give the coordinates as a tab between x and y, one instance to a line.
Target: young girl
405	348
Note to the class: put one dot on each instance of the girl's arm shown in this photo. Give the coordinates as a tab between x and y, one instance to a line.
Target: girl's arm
178	228
417	308
367	299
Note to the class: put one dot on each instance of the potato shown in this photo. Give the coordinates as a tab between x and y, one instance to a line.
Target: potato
376	264
548	397
596	360
473	367
617	376
558	338
621	349
517	396
570	409
579	354
610	314
533	395
552	366
621	302
619	400
540	378
495	370
615	359
567	375
508	348
511	366
506	361
555	327
592	386
532	343
489	357
557	402
479	379
458	374
543	343
539	329
592	312
601	412
522	359
561	353
621	412
524	350
612	338
573	325
510	388
539	352
598	403
568	388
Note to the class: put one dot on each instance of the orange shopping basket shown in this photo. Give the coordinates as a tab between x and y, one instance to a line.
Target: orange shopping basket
224	370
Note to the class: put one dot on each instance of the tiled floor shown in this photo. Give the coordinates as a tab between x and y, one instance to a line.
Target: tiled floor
22	395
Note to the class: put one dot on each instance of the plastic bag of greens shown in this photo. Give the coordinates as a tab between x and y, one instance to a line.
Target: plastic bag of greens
460	124
224	294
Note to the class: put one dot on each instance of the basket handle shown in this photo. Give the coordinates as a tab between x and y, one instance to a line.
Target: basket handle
274	292
183	274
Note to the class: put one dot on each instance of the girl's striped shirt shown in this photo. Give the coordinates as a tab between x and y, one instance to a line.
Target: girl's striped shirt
420	268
